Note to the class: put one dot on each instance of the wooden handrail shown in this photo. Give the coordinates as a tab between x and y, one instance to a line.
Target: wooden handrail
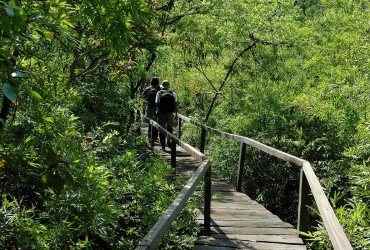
308	178
331	223
156	233
269	150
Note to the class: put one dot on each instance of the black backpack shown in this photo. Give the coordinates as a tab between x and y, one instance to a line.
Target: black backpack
167	102
150	96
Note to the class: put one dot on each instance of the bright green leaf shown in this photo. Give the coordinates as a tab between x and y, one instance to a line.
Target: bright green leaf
49	119
44	178
129	154
11	4
28	139
9	91
73	118
35	94
48	35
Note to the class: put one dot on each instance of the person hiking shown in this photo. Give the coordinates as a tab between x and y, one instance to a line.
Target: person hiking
150	109
166	101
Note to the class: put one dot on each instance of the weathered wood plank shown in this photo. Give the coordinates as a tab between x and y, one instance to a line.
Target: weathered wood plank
257	246
291	239
230	244
258	211
249	223
253	231
222	187
236	206
229	193
251	217
233	199
235	203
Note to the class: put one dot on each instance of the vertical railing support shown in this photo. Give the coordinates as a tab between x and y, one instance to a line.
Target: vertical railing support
173	156
303	202
207	188
207	200
241	166
179	128
203	140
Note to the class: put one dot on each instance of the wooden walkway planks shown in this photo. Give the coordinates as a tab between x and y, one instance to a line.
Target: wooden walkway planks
237	222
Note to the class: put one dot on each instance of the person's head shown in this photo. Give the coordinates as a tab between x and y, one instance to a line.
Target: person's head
155	81
165	84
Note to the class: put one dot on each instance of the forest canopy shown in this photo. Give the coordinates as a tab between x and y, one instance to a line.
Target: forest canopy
74	169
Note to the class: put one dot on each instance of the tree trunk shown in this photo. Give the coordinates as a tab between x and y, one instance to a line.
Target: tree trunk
4	111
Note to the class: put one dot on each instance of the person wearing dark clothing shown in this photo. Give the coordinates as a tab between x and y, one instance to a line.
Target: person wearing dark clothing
166	101
149	107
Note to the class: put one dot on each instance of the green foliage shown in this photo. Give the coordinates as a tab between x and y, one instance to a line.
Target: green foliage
73	171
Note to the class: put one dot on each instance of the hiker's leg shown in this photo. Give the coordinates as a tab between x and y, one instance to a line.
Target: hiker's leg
150	113
168	140
170	124
162	123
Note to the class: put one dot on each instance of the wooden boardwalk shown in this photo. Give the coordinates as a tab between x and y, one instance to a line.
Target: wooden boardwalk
237	222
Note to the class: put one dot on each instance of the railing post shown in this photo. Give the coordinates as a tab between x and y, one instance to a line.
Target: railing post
303	202
203	140
207	200
179	128
241	166
207	188
173	156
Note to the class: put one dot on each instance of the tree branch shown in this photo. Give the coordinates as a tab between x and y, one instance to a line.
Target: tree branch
231	67
179	17
95	62
205	76
168	6
210	82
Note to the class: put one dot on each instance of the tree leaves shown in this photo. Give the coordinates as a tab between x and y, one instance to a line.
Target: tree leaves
17	74
9	91
33	93
56	179
9	12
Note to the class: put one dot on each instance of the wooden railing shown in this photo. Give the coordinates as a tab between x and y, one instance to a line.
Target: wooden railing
308	180
156	233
